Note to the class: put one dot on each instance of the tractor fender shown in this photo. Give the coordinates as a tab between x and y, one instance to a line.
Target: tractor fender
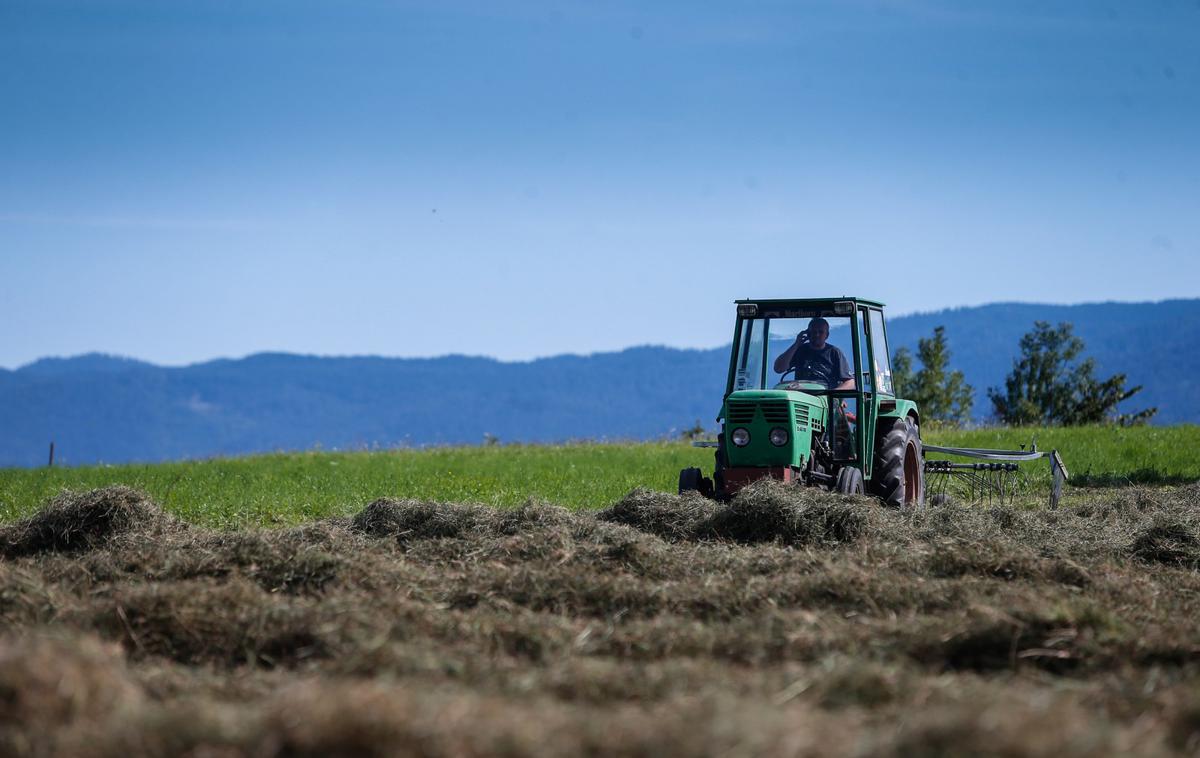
901	409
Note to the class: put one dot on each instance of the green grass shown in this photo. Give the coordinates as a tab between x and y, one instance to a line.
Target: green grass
284	489
291	488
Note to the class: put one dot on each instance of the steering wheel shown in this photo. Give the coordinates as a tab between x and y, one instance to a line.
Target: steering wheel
781	379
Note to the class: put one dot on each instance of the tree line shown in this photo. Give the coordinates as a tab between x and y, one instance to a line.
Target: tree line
1049	384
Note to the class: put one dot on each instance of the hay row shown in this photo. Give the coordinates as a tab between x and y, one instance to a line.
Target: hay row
784	623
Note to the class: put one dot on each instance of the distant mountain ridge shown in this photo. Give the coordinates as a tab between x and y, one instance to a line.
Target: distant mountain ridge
99	408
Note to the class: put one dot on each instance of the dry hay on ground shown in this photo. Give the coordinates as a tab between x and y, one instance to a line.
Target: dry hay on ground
785	623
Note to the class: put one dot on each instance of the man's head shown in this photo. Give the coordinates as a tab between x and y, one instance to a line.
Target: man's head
818	332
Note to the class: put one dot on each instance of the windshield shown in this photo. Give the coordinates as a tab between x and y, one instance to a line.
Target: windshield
811	353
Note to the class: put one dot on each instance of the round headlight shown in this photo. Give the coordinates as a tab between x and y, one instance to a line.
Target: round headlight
779	437
740	437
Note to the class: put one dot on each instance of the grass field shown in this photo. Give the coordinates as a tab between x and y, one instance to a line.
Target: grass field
288	489
418	603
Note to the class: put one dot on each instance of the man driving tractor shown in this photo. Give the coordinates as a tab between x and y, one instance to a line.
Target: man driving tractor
814	359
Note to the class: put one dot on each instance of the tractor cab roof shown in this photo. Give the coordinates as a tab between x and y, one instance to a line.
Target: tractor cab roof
808	302
802	307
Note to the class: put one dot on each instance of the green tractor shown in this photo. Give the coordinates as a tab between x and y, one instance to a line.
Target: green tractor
809	400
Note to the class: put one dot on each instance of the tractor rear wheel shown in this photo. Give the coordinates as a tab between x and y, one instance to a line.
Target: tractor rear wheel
849	481
899	464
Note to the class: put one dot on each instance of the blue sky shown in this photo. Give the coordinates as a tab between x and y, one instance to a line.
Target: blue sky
187	180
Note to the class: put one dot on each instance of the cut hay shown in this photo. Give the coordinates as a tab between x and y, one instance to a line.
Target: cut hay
84	521
416	520
49	680
1169	539
767	511
198	621
672	517
785	622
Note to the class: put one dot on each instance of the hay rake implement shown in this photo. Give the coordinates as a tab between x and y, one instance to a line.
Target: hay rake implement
992	476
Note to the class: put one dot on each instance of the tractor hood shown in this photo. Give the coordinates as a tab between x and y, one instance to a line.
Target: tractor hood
794	392
775	394
761	413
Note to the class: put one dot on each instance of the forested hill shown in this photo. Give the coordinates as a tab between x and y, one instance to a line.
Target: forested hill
99	408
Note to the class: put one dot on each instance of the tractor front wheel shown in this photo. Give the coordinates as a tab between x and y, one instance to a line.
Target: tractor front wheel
849	481
899	465
694	480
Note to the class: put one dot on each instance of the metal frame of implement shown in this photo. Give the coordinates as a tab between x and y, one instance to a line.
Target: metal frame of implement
1000	462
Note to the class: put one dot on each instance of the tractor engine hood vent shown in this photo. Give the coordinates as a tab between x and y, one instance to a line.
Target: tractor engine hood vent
773	411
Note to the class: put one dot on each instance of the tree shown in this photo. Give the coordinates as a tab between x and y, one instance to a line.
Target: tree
902	373
1048	386
941	394
693	432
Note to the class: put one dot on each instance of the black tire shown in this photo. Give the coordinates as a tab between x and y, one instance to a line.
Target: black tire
899	464
719	493
691	480
849	481
717	483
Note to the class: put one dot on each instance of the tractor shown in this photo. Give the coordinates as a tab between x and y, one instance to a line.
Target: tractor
809	400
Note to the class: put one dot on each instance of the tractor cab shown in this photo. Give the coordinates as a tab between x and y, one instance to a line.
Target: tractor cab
809	399
811	349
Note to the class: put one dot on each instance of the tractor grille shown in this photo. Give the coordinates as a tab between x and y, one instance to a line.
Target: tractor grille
801	416
741	411
775	411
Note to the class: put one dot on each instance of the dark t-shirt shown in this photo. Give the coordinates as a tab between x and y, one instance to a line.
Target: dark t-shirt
827	365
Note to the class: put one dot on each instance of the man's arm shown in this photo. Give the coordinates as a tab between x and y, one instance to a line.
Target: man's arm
784	361
844	372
